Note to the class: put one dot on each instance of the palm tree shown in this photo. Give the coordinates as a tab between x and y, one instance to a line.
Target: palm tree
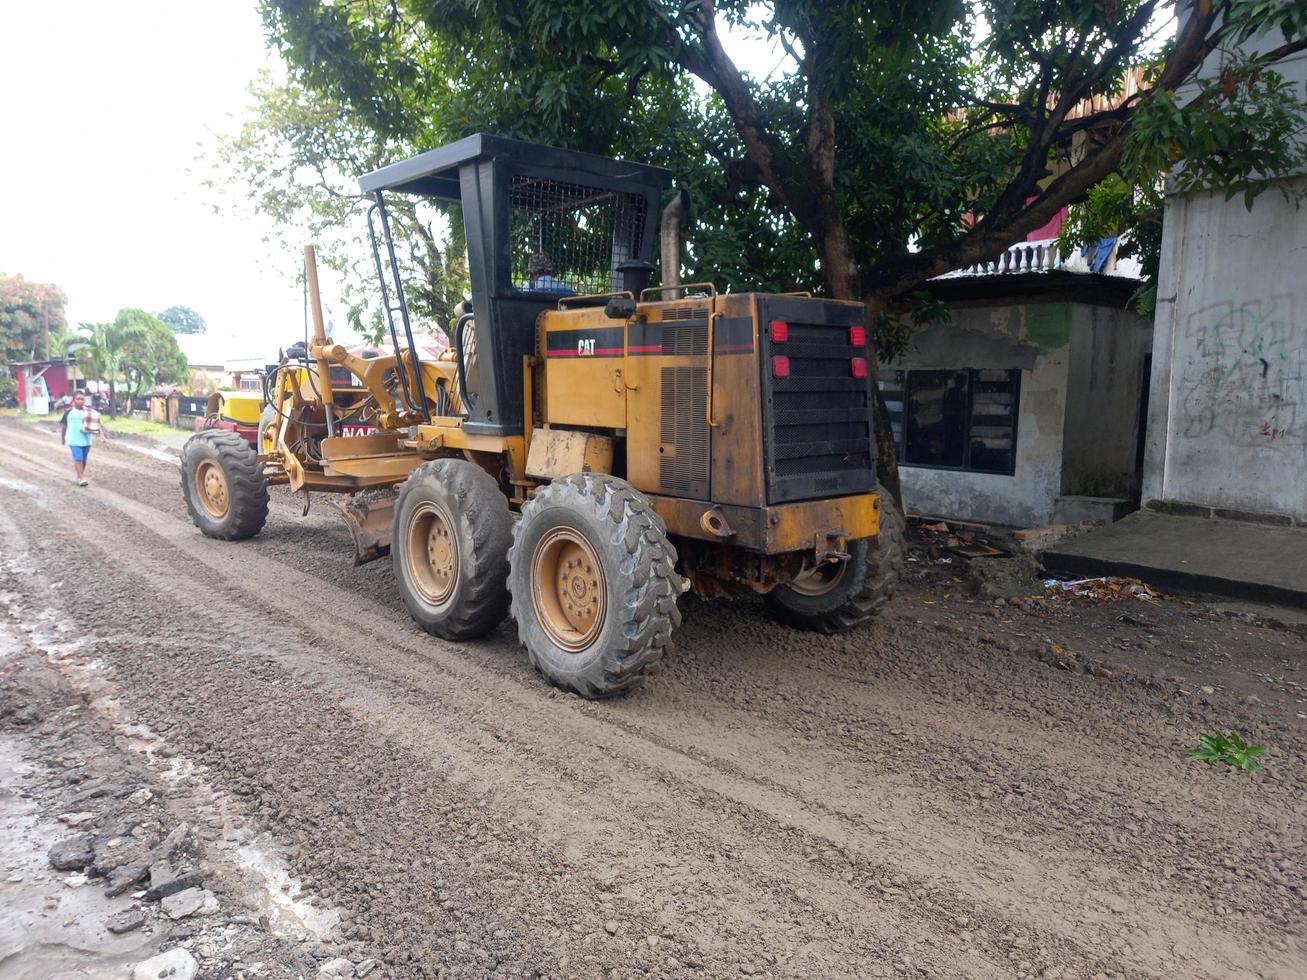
103	351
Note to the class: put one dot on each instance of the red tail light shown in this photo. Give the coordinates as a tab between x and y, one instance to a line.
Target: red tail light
780	331
857	336
780	366
858	366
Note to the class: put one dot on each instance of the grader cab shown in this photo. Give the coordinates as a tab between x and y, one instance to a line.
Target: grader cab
589	448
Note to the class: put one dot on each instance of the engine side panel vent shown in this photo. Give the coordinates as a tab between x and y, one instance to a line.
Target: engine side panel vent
683	455
686	340
686	312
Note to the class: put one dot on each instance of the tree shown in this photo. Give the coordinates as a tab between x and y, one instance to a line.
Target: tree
29	313
884	128
102	354
151	354
183	319
136	348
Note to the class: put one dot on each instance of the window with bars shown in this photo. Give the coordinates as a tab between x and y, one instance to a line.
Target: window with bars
961	419
569	238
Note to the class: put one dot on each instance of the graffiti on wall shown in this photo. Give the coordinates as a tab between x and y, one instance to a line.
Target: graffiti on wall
1245	379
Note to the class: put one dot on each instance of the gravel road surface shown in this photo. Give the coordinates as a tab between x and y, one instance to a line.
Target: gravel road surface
962	790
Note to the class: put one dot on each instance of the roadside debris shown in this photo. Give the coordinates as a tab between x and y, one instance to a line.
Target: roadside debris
1100	590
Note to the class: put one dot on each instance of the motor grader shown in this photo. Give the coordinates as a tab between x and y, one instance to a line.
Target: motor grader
590	447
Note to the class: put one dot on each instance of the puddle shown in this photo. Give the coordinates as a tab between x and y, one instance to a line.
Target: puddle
154	452
283	890
258	861
49	925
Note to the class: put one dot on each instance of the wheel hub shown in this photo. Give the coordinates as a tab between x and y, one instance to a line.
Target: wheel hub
568	589
211	484
820	580
432	552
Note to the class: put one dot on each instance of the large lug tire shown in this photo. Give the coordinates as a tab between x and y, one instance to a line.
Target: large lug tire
449	549
223	484
839	597
594	584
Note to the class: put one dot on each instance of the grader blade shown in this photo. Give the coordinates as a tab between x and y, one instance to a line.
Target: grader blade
369	521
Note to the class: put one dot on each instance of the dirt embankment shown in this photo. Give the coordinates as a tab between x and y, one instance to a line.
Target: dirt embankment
949	793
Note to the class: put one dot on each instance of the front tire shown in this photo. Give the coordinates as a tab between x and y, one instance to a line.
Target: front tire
449	549
839	597
594	586
223	484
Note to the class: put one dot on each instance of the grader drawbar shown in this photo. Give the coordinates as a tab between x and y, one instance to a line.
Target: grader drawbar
589	448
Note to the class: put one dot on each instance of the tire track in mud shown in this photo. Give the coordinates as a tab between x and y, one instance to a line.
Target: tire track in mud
772	797
1078	862
886	943
424	681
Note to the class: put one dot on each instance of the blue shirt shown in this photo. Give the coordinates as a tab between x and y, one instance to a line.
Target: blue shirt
77	436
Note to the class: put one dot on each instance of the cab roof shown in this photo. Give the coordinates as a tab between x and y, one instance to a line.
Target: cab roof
435	173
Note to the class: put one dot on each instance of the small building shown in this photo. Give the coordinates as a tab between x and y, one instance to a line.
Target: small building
1027	407
42	383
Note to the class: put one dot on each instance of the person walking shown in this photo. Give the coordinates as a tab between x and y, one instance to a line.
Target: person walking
78	425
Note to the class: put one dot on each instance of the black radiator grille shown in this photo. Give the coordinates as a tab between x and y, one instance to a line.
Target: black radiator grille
683	459
821	428
686	339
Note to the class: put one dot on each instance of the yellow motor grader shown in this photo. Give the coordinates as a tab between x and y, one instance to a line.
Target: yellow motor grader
589	448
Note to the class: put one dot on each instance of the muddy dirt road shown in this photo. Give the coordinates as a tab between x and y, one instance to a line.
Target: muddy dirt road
935	796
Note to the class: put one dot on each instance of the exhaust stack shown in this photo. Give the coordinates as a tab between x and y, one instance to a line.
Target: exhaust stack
674	216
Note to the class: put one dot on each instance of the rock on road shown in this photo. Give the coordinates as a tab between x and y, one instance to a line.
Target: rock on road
926	797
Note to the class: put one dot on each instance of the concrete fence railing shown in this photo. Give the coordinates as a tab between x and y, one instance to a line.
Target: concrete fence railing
1043	255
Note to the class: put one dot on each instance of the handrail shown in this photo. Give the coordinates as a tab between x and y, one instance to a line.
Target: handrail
593	296
711	287
708	399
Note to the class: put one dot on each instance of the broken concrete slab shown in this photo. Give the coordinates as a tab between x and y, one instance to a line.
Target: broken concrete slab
165	881
126	921
124	878
72	854
188	902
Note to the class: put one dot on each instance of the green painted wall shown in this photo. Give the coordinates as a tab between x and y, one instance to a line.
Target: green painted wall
1048	325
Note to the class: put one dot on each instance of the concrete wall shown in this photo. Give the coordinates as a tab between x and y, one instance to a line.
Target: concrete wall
1078	415
1036	339
1227	422
1100	439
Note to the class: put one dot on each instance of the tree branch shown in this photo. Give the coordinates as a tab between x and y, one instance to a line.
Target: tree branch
721	73
898	274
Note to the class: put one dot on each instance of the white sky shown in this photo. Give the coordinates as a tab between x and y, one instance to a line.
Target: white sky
107	107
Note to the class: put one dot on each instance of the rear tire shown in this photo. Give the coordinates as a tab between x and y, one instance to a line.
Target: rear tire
842	597
449	549
594	586
223	485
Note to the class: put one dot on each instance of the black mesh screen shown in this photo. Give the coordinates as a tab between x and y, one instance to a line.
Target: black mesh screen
570	238
820	416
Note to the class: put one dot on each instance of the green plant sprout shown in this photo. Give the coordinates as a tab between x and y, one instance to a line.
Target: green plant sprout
1228	748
